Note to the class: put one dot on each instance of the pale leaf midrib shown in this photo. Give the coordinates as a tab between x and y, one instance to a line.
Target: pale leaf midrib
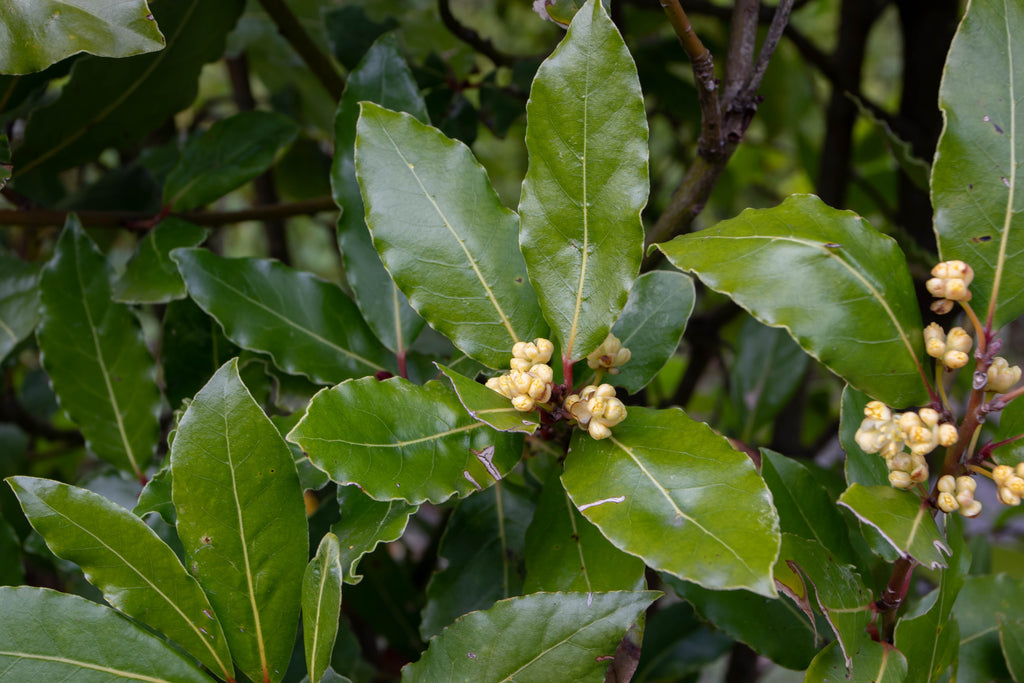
1004	241
131	675
397	444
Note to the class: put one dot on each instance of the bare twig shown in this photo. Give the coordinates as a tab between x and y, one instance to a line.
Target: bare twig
291	29
472	38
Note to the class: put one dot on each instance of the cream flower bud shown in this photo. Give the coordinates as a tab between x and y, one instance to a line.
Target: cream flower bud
1020	469
929	416
524	350
950	280
973	509
947	434
1016	485
946	484
610	355
947	503
523	403
544	350
543	372
900	480
1002	376
966	483
876	410
520	381
1001	473
934	340
520	364
1008	497
598	430
500	385
965	498
942	306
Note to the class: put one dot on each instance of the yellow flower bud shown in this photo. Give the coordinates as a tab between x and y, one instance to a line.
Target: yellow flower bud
609	355
900	480
1002	376
946	484
947	503
950	280
520	364
947	434
1008	497
543	372
523	403
1015	485
966	483
934	340
1001	473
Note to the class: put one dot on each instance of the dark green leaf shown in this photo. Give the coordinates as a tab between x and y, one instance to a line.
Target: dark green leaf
116	102
565	552
984	601
241	520
137	572
482	548
11	571
867	469
193	348
678	643
321	606
50	636
364	523
151	277
399	440
489	406
975	178
95	356
839	287
351	34
872	663
382	77
307	325
19	301
42	32
587	181
231	153
1011	637
901	518
445	237
915	168
673	492
580	631
156	497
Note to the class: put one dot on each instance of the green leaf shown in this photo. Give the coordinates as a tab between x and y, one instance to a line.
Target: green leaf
42	32
805	507
50	636
156	497
12	573
151	277
396	439
872	663
769	367
482	549
95	356
773	627
364	523
867	469
579	632
651	325
984	602
807	570
231	153
137	572
307	325
586	137
915	168
242	521
673	492
839	287
193	348
117	102
901	518
565	552
321	606
489	406
977	190
1011	637
382	77
444	236
19	301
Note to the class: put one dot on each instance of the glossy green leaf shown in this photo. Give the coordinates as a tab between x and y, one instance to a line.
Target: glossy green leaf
396	439
839	287
231	153
193	348
12	573
977	189
242	521
321	606
805	507
916	169
489	406
307	325
1011	424
444	235
137	572
364	523
929	640
482	549
1011	637
580	631
382	77
867	469
901	518
151	277
586	137
117	102
651	326
773	627
19	301
806	569
156	497
94	354
673	492
50	636
873	662
678	644
565	552
769	367
39	33
983	602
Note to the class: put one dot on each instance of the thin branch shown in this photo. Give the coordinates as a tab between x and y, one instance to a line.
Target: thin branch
140	220
472	38
780	20
742	42
291	29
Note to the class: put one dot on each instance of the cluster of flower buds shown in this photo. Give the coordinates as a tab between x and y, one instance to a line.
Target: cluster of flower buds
958	494
597	409
530	379
1009	483
949	283
610	355
950	348
1002	376
886	433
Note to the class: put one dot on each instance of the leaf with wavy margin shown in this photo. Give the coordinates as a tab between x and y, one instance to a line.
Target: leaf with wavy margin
321	606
